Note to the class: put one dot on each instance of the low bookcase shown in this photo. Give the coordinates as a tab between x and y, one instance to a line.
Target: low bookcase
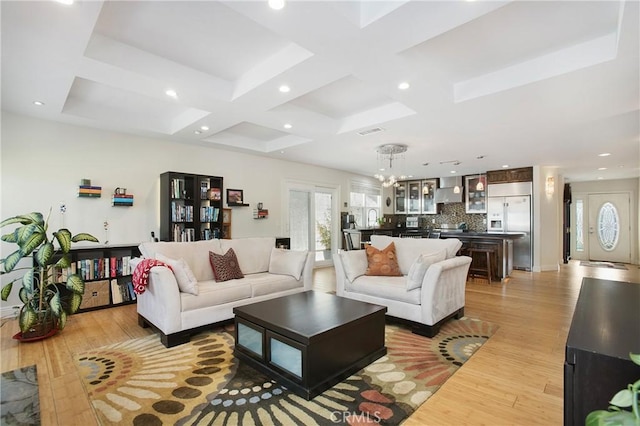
106	272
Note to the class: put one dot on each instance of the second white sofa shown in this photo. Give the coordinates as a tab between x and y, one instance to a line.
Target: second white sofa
430	291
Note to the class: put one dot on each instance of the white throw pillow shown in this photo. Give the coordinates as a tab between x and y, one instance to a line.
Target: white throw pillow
420	266
187	282
287	262
355	263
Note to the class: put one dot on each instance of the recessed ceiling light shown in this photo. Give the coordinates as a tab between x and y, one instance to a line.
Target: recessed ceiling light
604	154
505	166
171	93
67	2
276	4
284	88
452	171
205	128
287	126
600	178
602	168
197	132
404	85
38	103
281	152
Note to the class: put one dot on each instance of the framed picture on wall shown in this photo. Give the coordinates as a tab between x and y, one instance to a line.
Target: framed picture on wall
235	197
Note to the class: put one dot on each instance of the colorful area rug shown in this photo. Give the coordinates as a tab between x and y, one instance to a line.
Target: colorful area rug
610	265
19	402
140	382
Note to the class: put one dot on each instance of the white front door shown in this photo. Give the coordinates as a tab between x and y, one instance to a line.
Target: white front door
610	227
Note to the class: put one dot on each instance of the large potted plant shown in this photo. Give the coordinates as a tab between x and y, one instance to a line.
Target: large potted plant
48	291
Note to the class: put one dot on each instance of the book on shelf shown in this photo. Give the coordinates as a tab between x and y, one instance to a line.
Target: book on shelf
115	292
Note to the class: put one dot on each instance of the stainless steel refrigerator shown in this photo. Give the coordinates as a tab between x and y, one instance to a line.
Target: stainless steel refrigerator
509	210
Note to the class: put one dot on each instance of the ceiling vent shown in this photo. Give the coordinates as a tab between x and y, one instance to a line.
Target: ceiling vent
370	131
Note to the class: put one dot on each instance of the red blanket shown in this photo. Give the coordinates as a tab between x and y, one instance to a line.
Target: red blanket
141	274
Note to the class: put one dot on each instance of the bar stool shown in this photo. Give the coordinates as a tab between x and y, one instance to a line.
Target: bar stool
480	270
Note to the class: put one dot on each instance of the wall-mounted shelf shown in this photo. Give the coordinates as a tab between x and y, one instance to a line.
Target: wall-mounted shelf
237	205
260	213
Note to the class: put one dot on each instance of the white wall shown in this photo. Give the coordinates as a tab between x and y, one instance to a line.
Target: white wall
547	220
43	162
581	190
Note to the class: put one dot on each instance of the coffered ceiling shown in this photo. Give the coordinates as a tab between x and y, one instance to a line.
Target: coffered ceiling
491	83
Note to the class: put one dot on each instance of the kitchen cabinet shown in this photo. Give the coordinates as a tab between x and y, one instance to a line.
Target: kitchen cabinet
400	198
414	199
476	194
428	194
522	174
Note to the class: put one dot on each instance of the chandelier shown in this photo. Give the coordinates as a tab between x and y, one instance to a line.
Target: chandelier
387	155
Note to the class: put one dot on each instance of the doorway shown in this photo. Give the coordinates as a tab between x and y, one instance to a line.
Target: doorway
609	227
313	220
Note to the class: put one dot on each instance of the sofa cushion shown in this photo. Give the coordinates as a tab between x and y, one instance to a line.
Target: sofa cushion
187	282
408	249
354	263
393	288
287	262
214	293
194	253
420	266
253	253
382	262
225	266
265	283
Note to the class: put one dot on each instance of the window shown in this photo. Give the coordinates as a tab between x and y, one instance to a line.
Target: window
366	203
608	226
579	226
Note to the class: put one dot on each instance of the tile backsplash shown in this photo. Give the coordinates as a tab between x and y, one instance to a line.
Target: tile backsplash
451	213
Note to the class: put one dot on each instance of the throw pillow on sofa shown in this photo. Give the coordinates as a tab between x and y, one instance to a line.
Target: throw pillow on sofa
187	282
287	262
382	262
225	266
420	267
355	263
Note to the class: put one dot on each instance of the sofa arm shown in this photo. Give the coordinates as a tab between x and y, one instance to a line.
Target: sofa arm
160	304
307	272
341	276
443	288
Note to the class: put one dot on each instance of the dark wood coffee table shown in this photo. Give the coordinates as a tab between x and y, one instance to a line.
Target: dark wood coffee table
309	341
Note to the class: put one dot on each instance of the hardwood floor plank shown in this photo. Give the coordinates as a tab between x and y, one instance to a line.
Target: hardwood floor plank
516	378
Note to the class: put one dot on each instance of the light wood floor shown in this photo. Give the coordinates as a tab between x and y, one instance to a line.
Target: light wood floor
514	379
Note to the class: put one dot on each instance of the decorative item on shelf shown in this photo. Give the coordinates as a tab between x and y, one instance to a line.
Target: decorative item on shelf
235	198
49	289
214	194
260	213
121	198
388	153
86	190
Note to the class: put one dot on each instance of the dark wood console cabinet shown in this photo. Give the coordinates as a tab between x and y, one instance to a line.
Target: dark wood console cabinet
604	329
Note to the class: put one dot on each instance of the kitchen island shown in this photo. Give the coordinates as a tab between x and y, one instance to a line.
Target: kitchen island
500	242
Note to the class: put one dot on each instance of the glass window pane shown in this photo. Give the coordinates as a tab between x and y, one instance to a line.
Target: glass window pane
299	206
608	226
579	226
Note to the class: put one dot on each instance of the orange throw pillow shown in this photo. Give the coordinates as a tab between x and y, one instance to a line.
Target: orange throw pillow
383	262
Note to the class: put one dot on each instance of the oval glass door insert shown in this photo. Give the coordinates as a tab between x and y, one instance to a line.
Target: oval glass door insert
608	226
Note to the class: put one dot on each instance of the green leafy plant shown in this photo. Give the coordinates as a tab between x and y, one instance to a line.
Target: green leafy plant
617	415
41	292
324	231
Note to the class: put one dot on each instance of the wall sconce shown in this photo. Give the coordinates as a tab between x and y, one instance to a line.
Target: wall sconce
550	186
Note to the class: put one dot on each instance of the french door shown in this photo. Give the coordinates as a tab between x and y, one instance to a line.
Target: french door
313	220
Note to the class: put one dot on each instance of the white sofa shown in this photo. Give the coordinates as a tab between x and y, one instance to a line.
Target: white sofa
178	314
427	300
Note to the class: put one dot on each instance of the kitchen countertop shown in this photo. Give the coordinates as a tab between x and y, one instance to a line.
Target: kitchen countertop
488	235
